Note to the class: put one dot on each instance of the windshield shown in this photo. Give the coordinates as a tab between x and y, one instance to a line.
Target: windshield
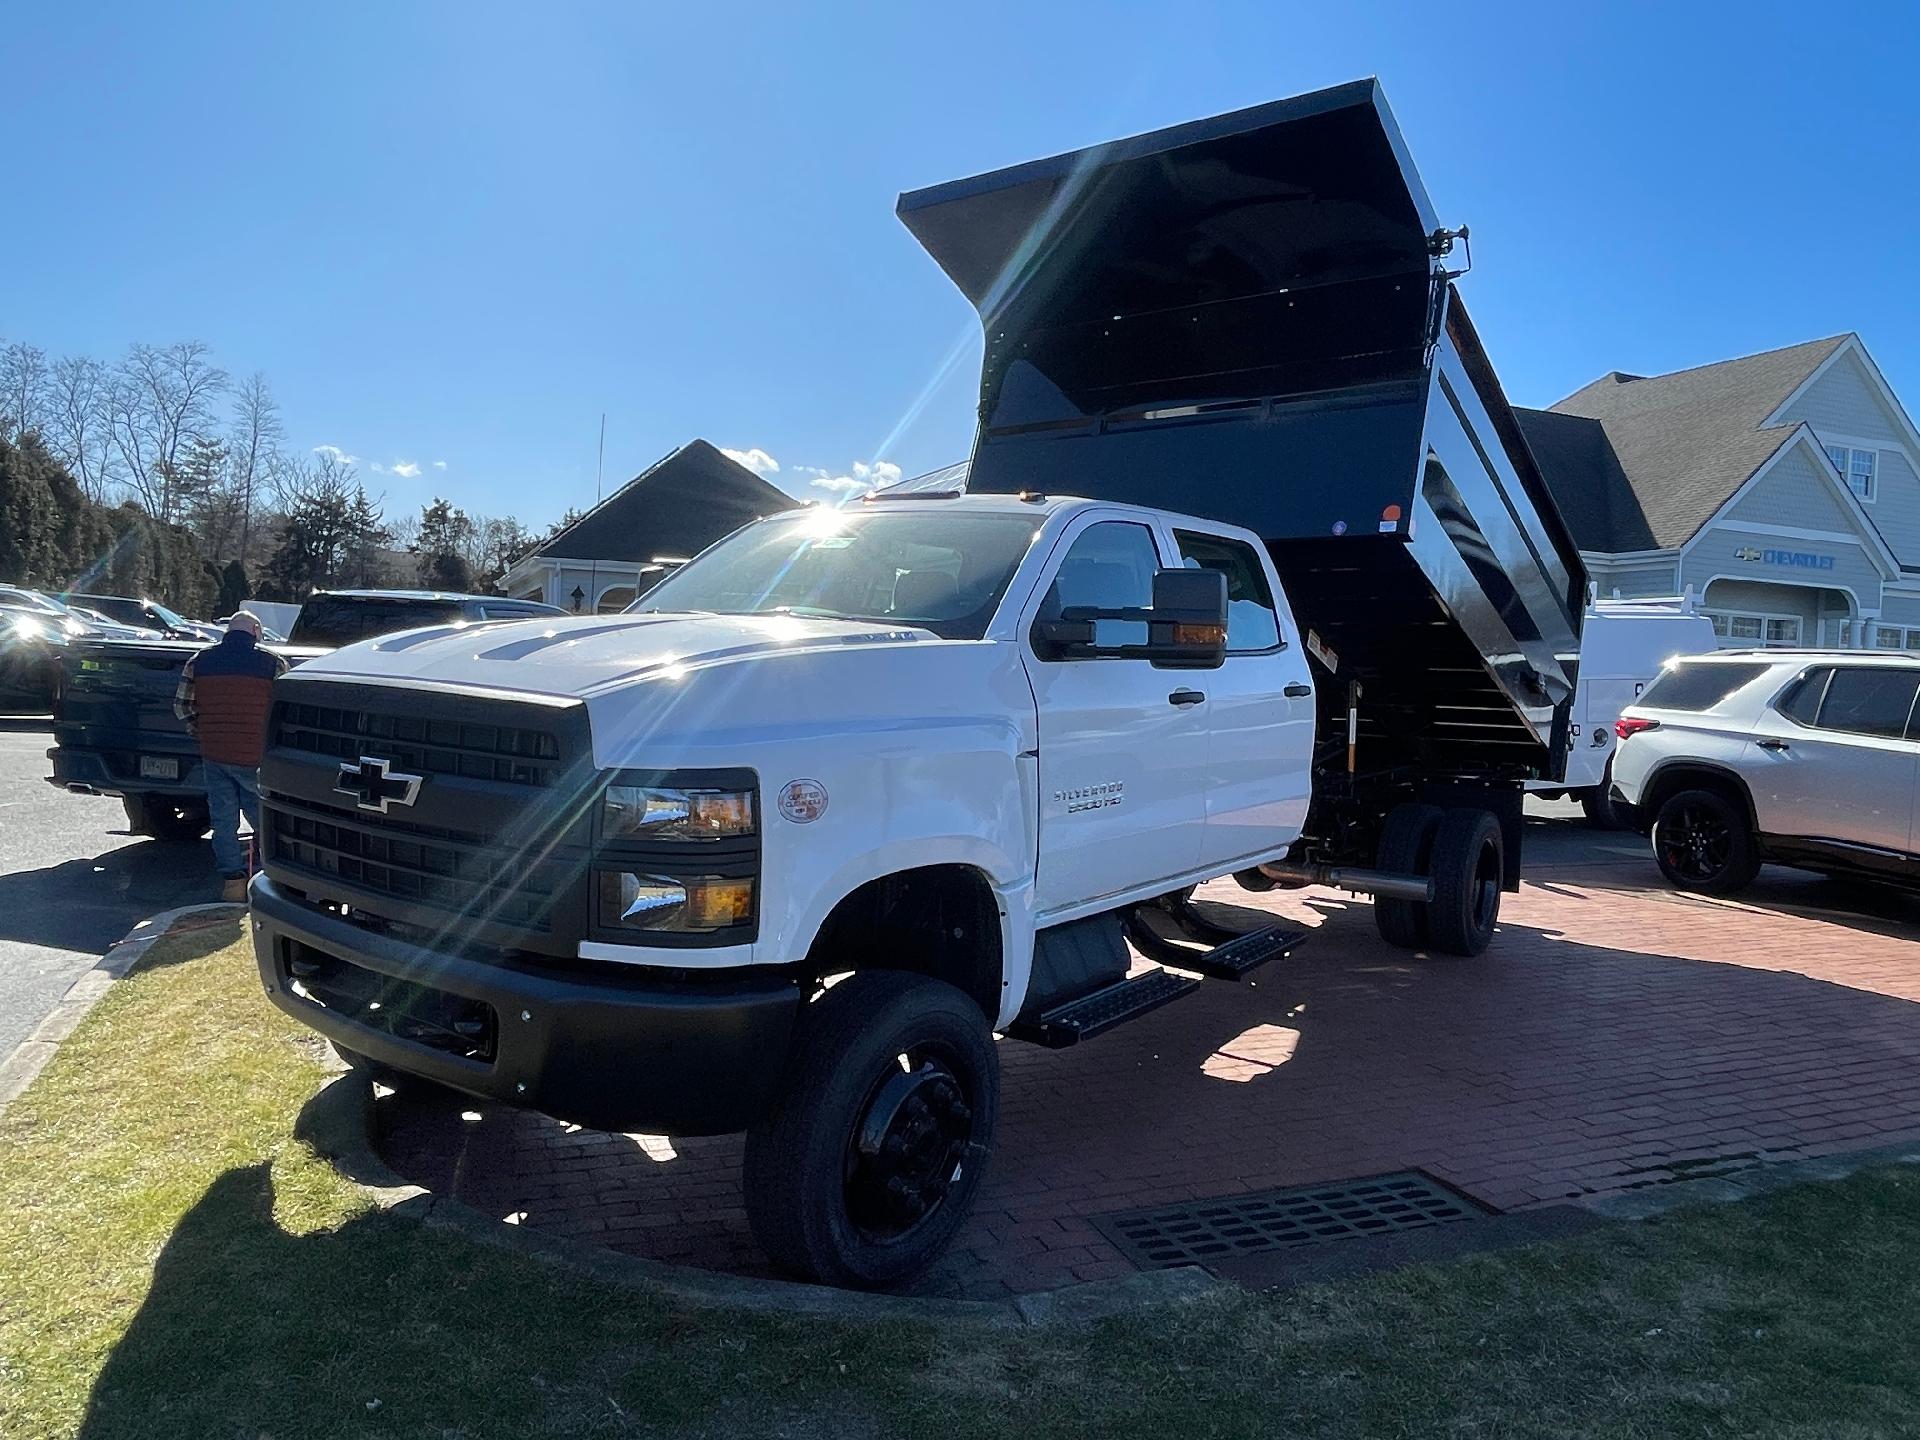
173	619
943	572
335	620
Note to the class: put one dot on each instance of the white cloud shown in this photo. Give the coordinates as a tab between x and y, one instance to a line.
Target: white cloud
439	464
811	470
756	460
864	477
376	467
336	454
405	469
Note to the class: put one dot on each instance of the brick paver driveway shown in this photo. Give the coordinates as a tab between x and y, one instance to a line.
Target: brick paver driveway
1617	1034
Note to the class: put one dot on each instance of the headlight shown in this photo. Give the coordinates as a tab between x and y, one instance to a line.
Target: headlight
665	812
655	902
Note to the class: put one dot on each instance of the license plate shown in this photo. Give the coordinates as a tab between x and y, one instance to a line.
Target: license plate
157	767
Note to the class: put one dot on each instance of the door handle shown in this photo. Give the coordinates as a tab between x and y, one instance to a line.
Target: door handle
1296	690
1769	743
1186	697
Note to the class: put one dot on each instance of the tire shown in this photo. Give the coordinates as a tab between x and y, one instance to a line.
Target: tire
136	808
818	1194
1469	855
1602	813
1702	842
1406	840
178	821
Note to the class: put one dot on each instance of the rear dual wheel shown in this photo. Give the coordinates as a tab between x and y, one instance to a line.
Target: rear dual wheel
870	1158
1463	852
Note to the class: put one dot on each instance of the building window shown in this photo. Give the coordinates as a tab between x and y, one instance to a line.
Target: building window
1860	468
1743	632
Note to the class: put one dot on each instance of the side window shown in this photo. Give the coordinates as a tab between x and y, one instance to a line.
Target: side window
1252	623
1109	567
1864	701
1800	701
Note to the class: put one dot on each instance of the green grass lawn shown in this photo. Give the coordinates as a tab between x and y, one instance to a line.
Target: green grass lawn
173	1262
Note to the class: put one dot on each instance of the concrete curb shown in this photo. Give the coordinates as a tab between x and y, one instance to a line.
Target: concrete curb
1757	1179
337	1123
31	1055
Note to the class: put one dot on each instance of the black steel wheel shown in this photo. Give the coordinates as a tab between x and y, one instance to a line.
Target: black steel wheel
1406	843
870	1158
1702	842
1469	865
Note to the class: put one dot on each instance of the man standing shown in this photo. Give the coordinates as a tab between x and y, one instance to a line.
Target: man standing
223	696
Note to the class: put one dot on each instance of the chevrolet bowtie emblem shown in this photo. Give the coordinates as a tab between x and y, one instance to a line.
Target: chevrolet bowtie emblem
374	786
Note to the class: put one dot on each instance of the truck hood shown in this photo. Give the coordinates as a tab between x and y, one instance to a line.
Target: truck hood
579	657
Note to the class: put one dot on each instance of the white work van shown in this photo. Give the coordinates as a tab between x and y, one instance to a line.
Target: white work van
1623	646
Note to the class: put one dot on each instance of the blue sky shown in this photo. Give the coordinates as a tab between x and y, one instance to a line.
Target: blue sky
462	232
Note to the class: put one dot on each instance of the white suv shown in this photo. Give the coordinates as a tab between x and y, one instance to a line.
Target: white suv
1792	757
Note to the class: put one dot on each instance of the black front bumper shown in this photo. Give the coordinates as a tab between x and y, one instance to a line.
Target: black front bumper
693	1053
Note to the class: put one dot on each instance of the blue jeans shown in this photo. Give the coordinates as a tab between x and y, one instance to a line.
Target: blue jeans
231	789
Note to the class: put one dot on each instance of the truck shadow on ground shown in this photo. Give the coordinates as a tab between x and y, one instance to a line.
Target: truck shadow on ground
1549	1068
88	903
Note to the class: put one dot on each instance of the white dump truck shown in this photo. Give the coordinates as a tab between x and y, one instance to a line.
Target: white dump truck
1255	576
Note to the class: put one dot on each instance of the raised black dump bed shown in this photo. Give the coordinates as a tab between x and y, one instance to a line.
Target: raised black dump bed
1253	318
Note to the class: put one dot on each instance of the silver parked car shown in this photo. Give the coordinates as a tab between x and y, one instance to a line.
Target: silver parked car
1793	757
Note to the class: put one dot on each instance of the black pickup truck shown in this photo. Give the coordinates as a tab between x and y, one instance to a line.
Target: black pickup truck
114	730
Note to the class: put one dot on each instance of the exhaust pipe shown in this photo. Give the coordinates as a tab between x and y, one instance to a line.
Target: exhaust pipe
1345	877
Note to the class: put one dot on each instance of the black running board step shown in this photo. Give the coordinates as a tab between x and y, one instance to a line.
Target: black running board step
1116	1004
1231	961
1191	923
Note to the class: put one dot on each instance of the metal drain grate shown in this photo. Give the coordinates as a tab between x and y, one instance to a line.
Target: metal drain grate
1205	1230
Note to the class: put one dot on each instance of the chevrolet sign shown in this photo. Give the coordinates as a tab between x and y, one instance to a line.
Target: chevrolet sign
1792	559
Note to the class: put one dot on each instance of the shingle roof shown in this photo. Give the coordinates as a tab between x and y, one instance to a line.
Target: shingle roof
1658	455
677	506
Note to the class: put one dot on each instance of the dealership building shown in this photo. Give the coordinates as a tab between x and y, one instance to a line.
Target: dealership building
626	543
1782	488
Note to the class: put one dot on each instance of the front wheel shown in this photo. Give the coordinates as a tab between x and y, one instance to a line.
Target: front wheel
869	1160
1703	843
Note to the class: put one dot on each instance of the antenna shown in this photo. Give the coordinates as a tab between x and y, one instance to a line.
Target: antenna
599	487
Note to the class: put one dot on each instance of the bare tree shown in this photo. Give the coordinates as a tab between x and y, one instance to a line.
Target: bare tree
253	449
163	402
23	390
79	424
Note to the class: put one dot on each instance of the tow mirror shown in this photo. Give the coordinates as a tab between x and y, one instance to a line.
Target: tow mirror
1184	629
